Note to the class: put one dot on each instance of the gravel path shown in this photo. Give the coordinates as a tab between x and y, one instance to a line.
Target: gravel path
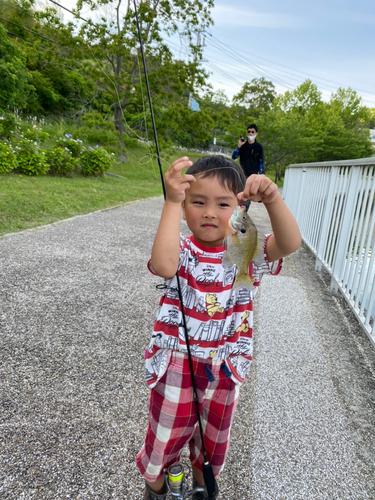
76	311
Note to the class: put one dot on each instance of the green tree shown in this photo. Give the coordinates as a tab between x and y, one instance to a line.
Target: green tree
347	103
14	76
258	94
301	99
115	48
371	122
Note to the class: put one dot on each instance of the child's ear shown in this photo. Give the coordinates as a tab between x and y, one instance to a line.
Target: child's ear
183	210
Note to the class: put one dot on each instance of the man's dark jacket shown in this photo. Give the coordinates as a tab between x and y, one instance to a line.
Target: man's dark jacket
249	154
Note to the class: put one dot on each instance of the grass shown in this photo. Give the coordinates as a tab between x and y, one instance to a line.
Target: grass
27	202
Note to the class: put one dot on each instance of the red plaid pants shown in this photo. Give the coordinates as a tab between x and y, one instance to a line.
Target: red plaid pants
173	419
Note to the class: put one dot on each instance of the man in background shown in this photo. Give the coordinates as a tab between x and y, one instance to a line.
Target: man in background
250	153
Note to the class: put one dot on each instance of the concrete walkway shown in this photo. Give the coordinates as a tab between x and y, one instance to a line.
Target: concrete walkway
76	311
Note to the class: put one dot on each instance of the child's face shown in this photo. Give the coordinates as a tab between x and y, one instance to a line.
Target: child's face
207	208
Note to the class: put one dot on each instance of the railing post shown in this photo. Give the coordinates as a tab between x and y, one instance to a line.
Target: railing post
346	224
300	194
330	198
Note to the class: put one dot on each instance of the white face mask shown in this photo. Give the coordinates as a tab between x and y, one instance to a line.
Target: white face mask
251	137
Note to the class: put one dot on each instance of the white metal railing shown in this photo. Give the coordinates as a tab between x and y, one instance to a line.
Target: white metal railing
334	205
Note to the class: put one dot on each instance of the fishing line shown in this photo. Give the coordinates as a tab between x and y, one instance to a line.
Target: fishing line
145	116
208	474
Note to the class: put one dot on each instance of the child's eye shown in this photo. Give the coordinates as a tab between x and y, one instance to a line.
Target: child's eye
198	203
223	205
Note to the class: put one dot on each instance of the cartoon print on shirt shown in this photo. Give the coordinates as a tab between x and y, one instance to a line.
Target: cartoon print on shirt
224	352
213	334
201	306
212	305
229	276
172	318
241	365
208	276
244	346
188	296
172	293
159	361
229	332
244	296
195	351
181	328
244	326
211	331
188	260
158	339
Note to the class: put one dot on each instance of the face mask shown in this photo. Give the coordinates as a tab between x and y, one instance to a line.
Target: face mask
251	137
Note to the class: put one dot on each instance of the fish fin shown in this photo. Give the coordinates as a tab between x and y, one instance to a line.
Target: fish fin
226	262
242	281
258	258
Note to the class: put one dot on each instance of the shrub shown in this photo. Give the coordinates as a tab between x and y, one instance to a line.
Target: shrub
60	162
8	160
31	160
74	146
8	124
36	135
95	161
96	135
97	129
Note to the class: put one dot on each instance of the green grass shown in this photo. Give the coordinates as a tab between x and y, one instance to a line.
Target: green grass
27	202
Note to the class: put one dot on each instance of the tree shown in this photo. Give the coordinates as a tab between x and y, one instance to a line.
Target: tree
114	46
14	76
348	104
371	122
258	94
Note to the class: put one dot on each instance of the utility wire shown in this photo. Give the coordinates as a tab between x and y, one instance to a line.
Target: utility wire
240	58
27	29
75	15
282	65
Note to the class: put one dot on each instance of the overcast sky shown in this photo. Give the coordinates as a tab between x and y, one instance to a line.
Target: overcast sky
332	42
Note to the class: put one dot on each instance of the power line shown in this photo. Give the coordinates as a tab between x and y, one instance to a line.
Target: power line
27	29
296	71
75	15
240	58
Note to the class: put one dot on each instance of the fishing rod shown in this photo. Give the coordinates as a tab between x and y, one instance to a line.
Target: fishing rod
174	475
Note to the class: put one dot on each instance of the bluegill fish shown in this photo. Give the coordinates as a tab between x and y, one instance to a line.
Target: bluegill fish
243	244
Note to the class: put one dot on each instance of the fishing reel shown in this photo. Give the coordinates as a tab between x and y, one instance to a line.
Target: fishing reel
176	482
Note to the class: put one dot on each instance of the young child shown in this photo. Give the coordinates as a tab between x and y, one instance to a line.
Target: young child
219	318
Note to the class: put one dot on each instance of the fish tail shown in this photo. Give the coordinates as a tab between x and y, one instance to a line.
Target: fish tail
242	280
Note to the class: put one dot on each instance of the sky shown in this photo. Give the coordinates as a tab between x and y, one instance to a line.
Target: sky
331	42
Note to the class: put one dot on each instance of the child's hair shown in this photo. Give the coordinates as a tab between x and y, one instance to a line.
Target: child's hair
229	173
253	126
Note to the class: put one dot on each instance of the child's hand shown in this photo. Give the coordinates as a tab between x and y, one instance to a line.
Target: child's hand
259	188
176	184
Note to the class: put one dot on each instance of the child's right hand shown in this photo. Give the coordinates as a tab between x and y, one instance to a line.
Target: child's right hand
176	184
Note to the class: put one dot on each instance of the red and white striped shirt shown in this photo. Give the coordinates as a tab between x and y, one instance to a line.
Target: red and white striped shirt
219	318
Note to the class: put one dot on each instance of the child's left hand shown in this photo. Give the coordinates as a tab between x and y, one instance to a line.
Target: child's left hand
259	188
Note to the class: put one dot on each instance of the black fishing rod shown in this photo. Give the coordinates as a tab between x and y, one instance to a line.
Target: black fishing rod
208	474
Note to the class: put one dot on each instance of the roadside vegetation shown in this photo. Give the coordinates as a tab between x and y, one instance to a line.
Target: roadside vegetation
73	105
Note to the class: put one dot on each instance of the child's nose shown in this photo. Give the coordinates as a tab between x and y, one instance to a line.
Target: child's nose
210	213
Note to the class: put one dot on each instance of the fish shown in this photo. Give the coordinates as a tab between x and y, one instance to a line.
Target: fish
243	244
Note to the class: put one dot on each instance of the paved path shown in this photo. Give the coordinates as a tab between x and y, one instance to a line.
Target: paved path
76	310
